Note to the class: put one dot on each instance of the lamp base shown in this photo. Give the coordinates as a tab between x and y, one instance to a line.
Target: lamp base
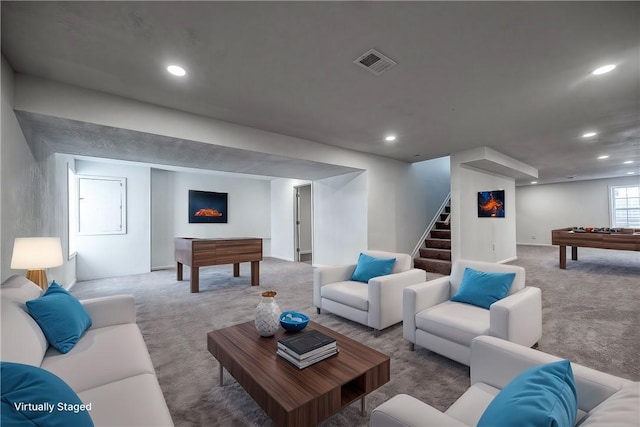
39	277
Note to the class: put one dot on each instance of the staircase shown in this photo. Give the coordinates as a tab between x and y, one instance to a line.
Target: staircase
435	253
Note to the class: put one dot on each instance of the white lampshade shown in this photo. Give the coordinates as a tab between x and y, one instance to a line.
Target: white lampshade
35	253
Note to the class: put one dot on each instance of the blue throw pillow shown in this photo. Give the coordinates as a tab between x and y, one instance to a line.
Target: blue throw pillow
369	267
61	317
539	397
483	289
32	396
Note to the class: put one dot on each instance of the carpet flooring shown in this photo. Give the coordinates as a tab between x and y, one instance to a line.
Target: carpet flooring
591	315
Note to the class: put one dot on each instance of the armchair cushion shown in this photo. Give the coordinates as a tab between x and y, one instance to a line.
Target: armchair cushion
350	293
369	267
460	323
544	395
483	288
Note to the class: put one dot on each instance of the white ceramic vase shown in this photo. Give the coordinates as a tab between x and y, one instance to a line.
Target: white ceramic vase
268	315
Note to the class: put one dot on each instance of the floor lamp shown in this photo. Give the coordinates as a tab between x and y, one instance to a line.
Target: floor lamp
34	254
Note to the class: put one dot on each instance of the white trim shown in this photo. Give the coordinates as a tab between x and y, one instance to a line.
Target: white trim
163	267
508	260
535	244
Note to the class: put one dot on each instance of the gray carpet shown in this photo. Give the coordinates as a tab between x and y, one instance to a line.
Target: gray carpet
591	316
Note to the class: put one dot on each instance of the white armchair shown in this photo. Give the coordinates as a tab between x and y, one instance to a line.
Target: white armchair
446	327
378	303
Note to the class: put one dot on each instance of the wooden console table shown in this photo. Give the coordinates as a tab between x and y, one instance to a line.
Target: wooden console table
624	240
198	253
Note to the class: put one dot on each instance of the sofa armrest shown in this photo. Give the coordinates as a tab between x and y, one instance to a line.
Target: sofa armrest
111	310
385	296
325	275
418	297
405	411
518	317
496	362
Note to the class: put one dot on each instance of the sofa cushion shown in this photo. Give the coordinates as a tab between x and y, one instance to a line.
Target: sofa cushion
483	288
454	321
22	338
544	395
471	405
369	267
34	397
350	293
134	401
61	317
102	356
620	410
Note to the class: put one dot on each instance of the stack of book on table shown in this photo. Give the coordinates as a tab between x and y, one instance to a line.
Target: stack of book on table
306	348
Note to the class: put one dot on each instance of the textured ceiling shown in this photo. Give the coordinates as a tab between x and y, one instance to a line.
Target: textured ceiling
512	76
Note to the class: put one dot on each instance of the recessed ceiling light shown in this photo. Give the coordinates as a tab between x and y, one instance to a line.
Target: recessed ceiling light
628	162
176	70
390	138
589	134
603	157
630	173
534	182
603	70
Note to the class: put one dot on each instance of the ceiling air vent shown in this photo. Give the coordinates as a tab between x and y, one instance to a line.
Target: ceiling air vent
375	62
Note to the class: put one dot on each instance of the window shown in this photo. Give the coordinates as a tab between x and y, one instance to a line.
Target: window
102	205
625	206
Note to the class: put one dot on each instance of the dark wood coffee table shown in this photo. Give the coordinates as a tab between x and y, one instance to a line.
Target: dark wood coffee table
292	396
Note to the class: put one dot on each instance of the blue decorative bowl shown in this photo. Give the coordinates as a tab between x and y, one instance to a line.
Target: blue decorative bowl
293	321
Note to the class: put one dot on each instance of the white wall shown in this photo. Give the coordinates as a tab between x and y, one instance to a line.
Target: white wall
542	208
482	239
119	254
163	211
340	221
22	180
248	204
282	217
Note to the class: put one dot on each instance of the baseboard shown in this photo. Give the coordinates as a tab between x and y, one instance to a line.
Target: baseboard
283	259
534	244
163	267
507	260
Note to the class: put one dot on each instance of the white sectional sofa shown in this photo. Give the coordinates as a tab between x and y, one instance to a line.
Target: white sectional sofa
109	367
603	400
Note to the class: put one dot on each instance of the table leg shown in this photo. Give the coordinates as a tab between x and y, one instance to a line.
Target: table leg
220	373
363	410
195	280
179	268
574	253
563	257
255	273
236	269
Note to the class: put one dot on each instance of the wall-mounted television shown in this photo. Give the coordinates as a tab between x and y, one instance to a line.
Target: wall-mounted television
207	207
491	204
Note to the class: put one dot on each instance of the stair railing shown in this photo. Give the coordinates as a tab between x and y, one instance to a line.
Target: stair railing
430	226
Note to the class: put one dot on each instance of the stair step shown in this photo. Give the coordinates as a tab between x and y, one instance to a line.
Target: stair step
433	265
440	225
441	234
447	209
438	243
443	216
435	253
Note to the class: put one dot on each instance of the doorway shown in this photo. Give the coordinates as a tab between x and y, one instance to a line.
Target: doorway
303	224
